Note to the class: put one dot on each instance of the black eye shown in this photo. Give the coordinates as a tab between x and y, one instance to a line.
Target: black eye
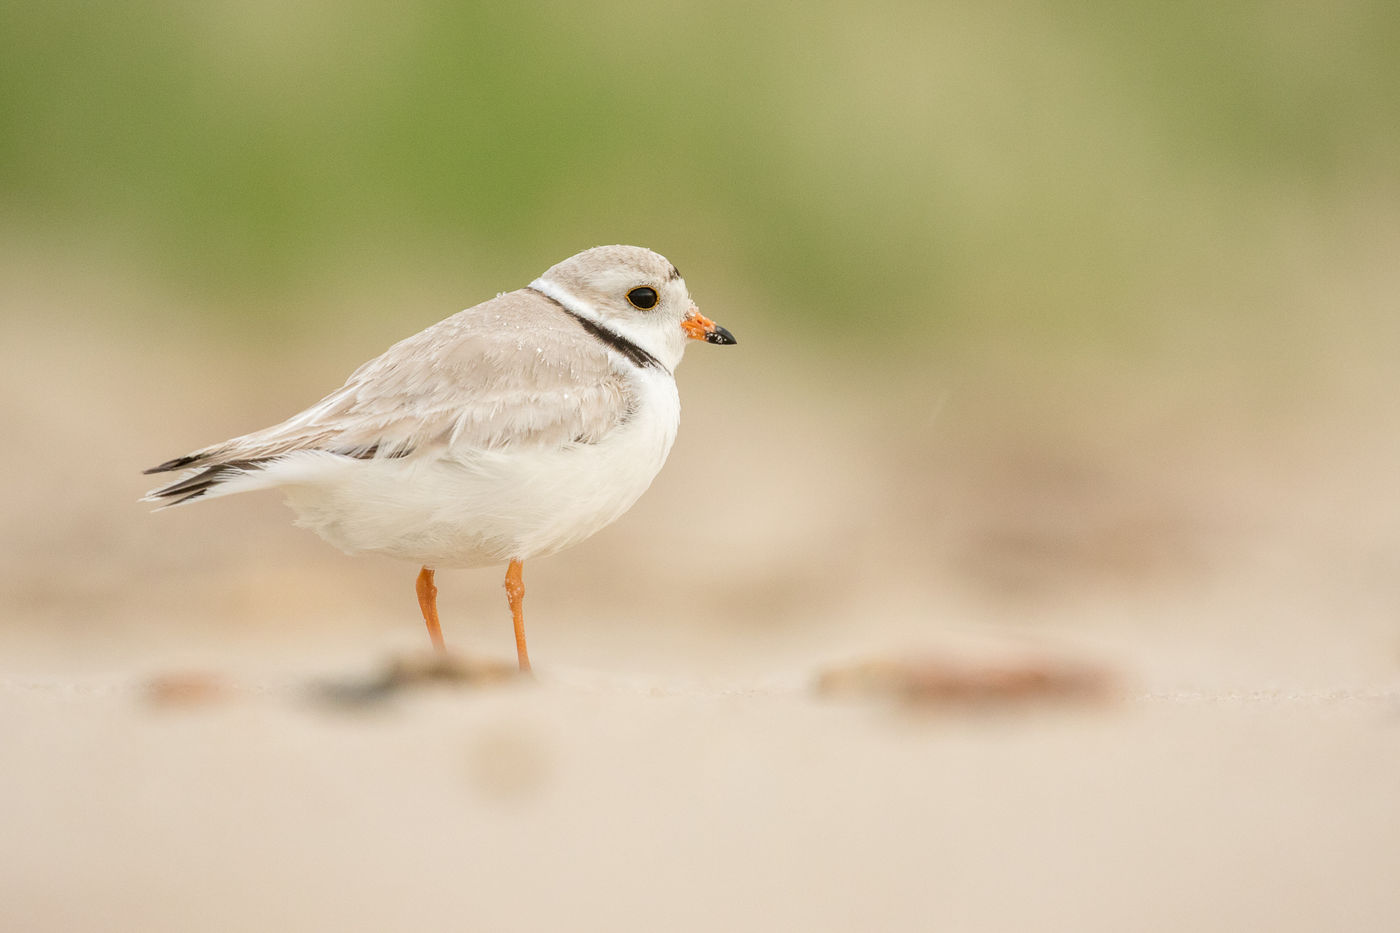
644	298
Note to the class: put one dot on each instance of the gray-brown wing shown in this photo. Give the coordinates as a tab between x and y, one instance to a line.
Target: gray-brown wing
513	371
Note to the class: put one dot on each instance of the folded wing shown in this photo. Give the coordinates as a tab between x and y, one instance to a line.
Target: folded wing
512	372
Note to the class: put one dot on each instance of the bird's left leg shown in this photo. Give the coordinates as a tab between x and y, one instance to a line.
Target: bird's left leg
515	593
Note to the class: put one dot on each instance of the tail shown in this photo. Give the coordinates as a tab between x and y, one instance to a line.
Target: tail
205	473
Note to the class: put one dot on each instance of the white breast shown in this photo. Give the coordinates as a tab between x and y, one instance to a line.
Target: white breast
472	507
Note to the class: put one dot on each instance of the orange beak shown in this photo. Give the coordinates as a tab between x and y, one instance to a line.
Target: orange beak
699	327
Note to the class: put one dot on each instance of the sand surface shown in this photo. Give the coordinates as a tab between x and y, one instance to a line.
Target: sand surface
185	748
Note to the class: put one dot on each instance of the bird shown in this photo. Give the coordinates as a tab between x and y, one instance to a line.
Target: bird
503	433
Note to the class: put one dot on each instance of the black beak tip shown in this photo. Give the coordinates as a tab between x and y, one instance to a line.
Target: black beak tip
721	337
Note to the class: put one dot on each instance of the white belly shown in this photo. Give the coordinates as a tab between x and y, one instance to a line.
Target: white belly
455	508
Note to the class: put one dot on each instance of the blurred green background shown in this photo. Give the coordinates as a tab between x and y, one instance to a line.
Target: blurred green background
1078	174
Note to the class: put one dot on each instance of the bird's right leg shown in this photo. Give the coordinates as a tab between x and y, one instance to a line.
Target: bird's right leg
427	601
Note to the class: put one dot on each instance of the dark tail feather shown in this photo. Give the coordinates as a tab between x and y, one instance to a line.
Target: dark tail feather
192	487
177	464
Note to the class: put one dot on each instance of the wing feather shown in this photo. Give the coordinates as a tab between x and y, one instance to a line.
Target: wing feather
512	372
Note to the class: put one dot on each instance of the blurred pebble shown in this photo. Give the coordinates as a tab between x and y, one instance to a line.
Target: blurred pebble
187	688
968	682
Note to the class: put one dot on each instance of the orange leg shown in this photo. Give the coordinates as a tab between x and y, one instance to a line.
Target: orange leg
427	601
515	592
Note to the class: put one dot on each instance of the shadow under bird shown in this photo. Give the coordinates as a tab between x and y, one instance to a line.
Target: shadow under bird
508	431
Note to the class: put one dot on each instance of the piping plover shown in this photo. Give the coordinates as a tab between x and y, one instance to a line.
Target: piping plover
508	431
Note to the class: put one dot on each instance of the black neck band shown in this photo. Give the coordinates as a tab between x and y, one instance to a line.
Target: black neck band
621	344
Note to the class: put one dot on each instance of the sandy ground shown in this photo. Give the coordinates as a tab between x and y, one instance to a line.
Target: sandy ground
181	752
